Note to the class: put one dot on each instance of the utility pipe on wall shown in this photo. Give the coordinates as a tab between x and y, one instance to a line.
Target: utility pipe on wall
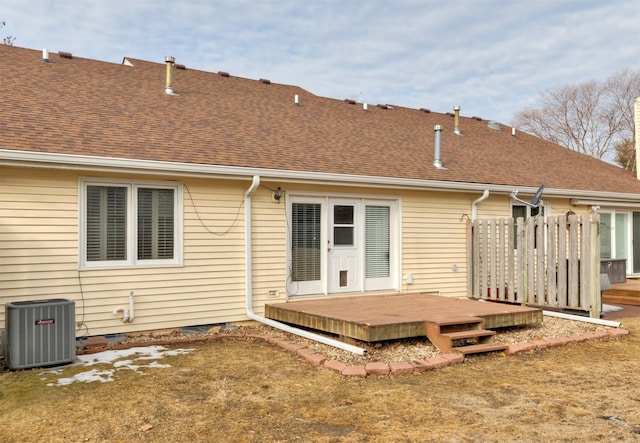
127	315
131	316
249	287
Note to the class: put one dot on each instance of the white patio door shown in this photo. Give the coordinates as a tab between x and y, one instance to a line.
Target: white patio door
344	250
342	245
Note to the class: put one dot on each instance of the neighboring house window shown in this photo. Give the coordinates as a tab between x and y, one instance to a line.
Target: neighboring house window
130	223
522	211
614	234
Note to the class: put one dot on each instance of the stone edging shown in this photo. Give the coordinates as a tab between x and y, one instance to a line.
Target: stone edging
429	364
371	368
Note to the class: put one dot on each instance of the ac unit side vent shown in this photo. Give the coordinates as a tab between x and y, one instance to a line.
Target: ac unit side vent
39	333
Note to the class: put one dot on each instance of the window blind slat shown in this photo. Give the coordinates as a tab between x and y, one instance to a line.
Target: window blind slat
155	223
377	241
106	223
305	242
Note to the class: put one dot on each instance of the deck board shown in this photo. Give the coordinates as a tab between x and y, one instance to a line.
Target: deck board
374	318
627	293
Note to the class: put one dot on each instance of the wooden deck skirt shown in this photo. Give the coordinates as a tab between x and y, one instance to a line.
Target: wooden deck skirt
372	318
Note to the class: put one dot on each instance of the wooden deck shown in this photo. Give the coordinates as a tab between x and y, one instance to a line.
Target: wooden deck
374	318
627	293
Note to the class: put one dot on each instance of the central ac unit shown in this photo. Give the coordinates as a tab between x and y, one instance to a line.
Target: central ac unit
39	333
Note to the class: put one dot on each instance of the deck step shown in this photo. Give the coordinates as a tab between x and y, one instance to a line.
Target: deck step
476	349
617	297
447	334
473	333
454	321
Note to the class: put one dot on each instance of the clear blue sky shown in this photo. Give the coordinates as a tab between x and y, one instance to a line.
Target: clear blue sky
491	57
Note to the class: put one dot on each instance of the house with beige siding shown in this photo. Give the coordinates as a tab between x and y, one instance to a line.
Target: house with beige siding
158	196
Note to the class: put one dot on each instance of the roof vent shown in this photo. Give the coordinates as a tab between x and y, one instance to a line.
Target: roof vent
180	66
437	157
450	114
494	125
265	81
170	63
223	74
477	118
45	56
456	125
425	110
65	54
383	106
296	100
348	100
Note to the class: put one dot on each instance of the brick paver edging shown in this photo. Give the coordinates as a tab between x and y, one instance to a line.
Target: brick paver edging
429	364
370	368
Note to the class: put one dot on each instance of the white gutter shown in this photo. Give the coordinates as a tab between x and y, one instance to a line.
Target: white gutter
591	202
249	287
107	164
474	205
596	321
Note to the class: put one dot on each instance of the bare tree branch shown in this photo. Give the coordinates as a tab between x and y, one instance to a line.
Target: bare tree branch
595	118
9	39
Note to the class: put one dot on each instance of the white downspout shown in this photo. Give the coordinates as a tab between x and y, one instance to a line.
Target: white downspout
595	321
249	288
474	205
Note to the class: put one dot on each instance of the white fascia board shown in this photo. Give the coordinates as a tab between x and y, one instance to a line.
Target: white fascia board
175	169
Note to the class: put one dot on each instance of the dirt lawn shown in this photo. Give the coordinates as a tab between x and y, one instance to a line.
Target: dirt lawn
251	391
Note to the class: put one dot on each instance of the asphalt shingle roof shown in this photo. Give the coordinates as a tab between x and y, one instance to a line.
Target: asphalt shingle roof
86	107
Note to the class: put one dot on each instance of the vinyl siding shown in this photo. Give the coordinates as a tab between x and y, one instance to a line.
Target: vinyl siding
269	247
39	257
433	240
39	249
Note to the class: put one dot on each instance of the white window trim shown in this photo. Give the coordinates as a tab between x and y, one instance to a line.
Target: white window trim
132	232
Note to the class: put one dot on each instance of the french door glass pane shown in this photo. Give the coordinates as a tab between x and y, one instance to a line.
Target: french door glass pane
343	235
343	214
106	223
305	241
377	241
155	223
343	227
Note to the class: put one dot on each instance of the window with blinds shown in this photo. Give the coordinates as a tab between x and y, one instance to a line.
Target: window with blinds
106	223
155	223
129	223
377	241
305	241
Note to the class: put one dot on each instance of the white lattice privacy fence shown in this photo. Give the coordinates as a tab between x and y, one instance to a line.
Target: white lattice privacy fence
550	262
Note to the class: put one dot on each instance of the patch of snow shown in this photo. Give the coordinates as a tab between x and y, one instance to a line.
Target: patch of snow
124	359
